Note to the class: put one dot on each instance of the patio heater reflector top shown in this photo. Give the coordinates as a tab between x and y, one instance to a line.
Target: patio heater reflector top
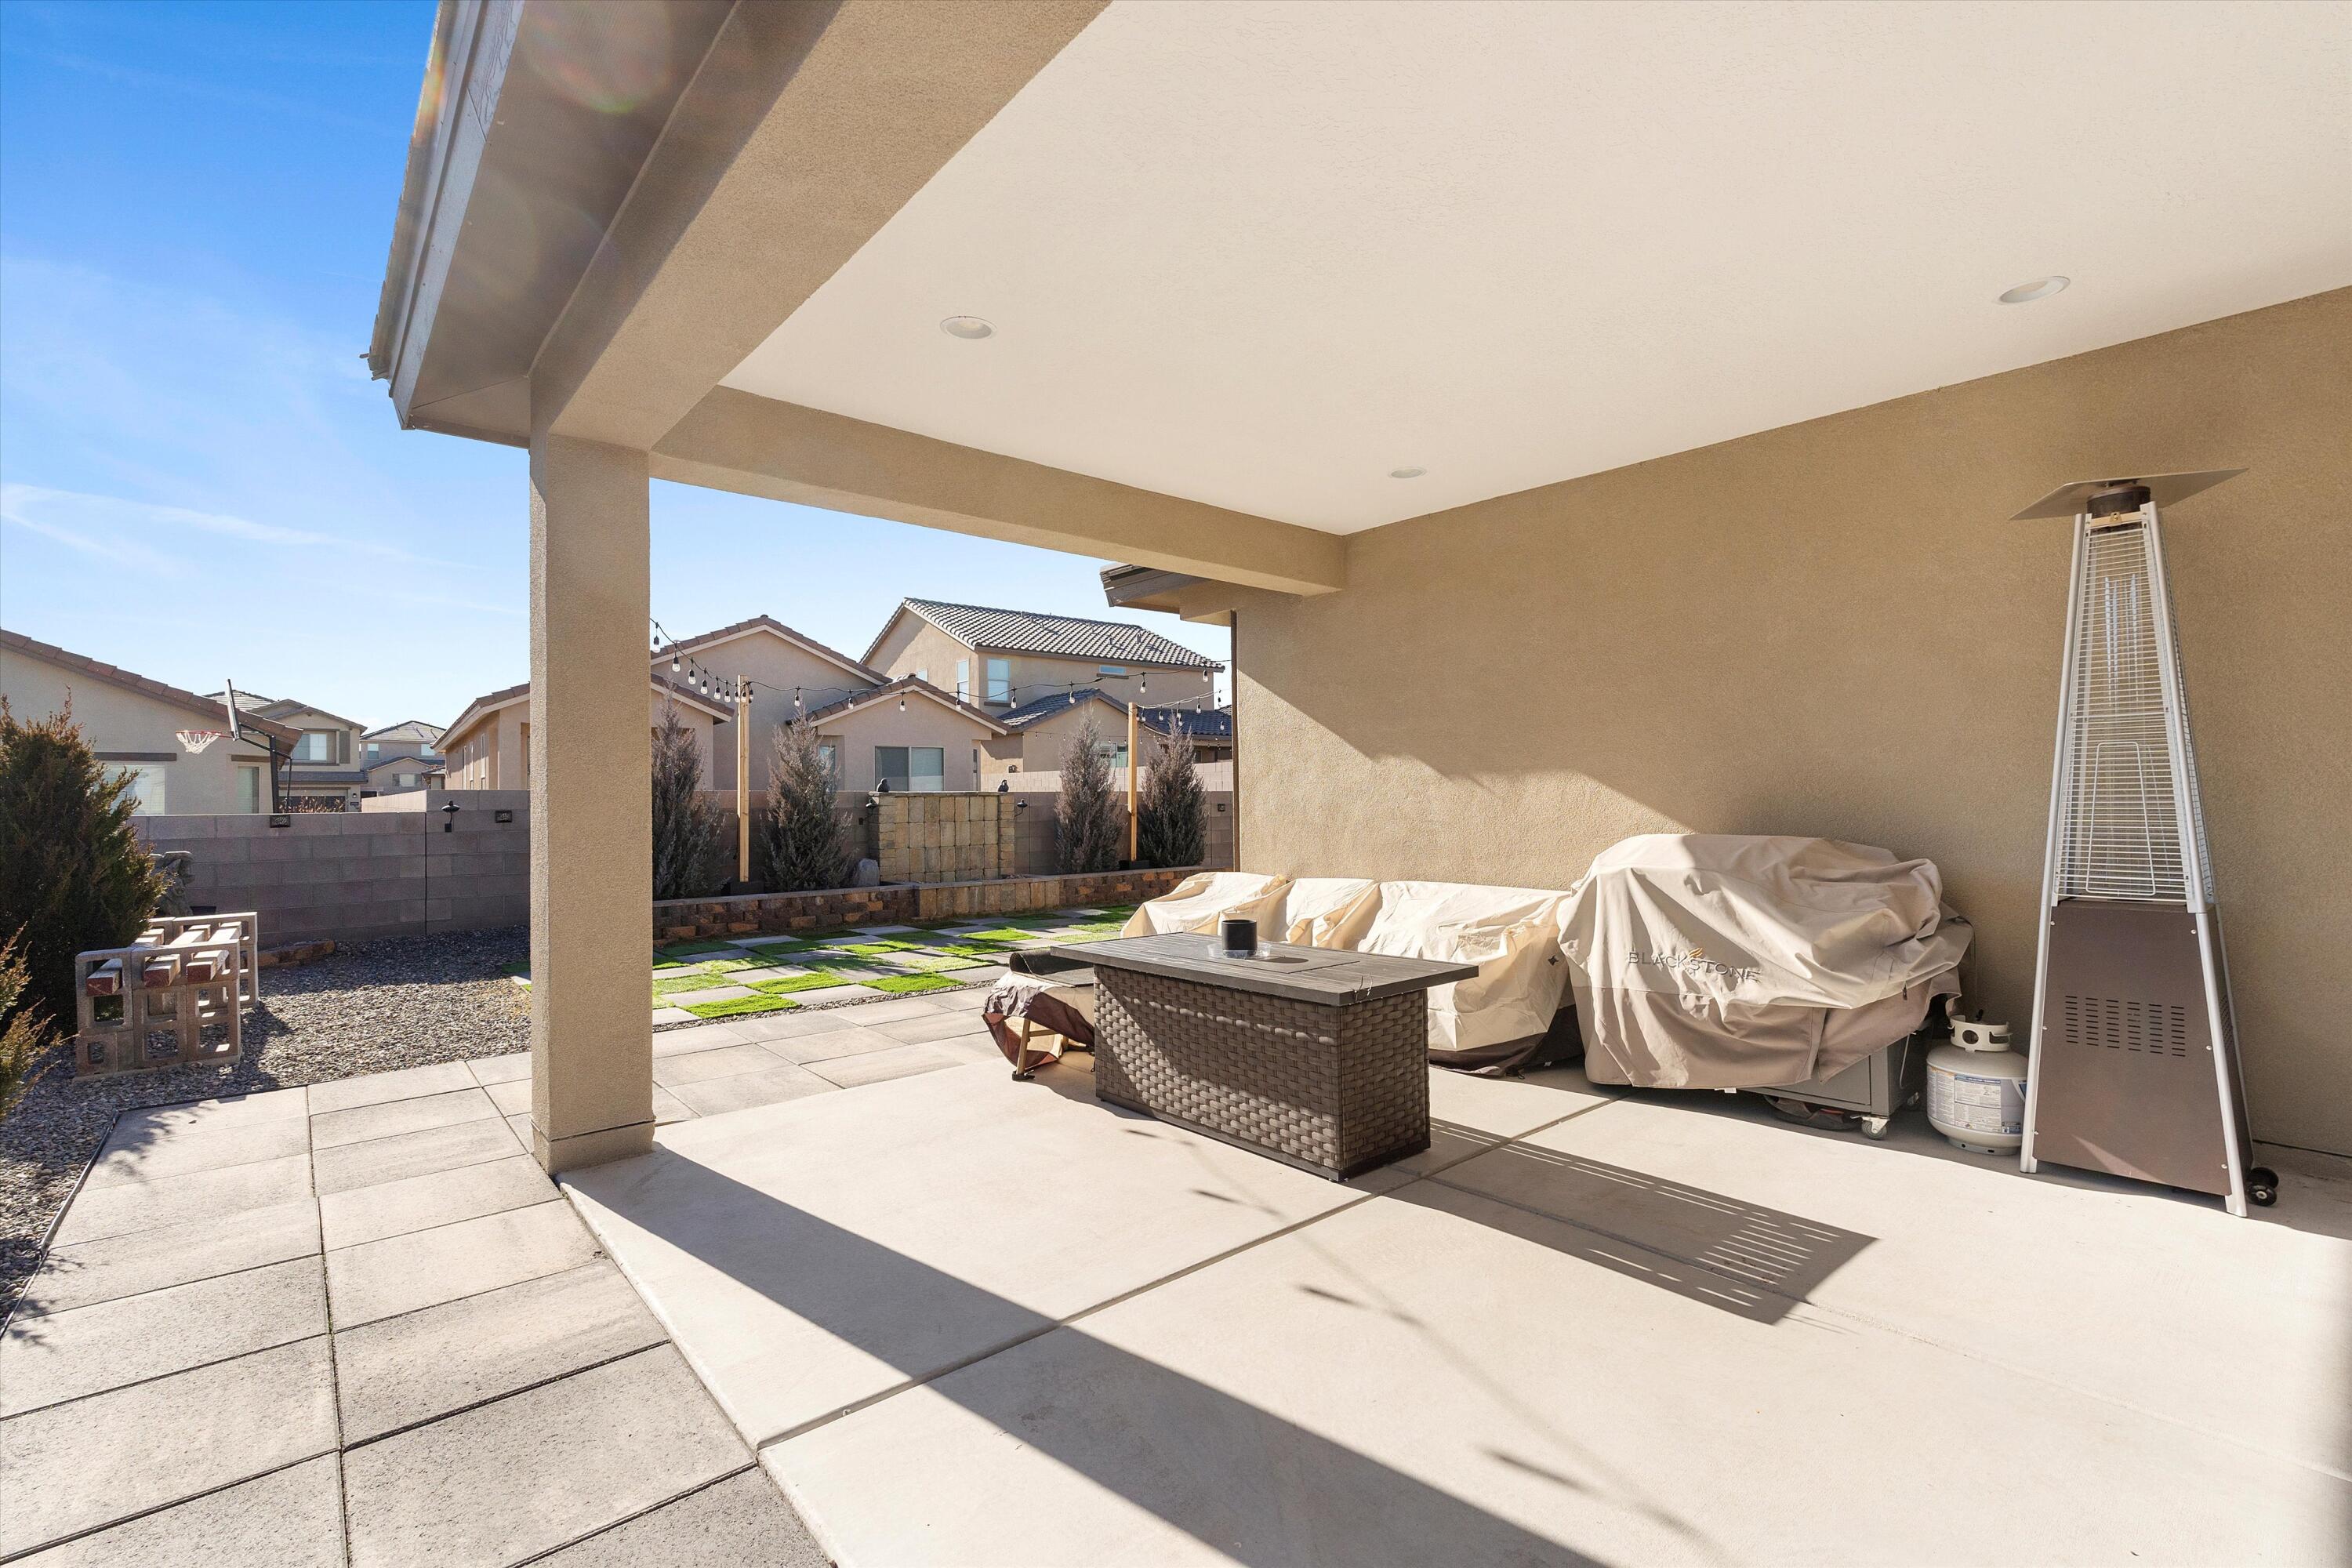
2070	499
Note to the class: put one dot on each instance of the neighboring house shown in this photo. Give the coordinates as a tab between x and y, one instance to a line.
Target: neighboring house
398	775
1039	733
791	675
132	722
907	735
409	738
324	763
1004	659
489	745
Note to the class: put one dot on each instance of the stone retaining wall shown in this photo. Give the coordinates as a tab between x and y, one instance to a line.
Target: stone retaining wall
679	920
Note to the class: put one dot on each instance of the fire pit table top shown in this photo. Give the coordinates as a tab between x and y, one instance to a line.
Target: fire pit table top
1315	974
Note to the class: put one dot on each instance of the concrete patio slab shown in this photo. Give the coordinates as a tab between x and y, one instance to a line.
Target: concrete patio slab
972	999
291	1518
212	1115
1542	1396
750	1090
375	1087
538	1470
811	1255
443	1197
701	1037
869	1014
672	1016
686	1001
426	1267
146	1153
402	1371
488	1071
844	1039
725	1061
739	1520
97	1461
144	1260
880	1067
405	1154
669	1107
512	1097
384	1119
172	1200
937	1025
2058	1278
65	1355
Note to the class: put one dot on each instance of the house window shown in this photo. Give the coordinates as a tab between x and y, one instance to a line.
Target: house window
1110	669
373	748
964	680
405	781
1115	755
1000	680
923	674
832	759
920	770
249	789
315	746
146	786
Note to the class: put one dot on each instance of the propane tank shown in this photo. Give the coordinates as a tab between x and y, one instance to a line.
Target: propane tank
1975	1087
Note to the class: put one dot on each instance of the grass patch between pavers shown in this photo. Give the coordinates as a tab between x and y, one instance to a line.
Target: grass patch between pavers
875	949
735	1006
1006	935
684	950
789	983
694	979
904	984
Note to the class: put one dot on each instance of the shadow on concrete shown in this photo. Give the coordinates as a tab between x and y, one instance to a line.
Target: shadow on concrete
1722	1252
1240	1479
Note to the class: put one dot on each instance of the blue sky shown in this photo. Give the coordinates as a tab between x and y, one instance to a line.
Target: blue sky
197	478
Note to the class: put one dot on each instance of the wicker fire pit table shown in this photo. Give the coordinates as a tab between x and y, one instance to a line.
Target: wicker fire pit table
1318	1058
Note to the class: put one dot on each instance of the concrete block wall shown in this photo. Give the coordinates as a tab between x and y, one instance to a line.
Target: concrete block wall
1037	835
347	876
678	920
952	836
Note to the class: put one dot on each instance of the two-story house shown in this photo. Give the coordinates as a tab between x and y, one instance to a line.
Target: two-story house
998	660
325	763
905	733
487	746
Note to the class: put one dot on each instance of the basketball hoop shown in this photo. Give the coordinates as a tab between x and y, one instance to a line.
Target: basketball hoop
194	740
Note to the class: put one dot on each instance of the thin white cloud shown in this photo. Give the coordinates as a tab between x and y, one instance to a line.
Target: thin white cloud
101	522
441	601
119	551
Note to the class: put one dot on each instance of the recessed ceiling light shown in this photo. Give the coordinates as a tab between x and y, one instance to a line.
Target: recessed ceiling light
966	327
1406	473
2040	289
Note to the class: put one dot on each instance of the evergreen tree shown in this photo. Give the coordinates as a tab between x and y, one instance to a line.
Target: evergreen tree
1086	815
799	841
24	1029
1173	824
686	829
73	873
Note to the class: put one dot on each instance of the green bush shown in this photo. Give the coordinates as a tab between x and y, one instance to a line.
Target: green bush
1086	814
688	850
73	873
1171	826
24	1029
797	840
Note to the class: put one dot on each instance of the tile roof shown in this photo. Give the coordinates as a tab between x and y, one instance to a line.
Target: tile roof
857	699
1204	723
769	624
717	708
404	724
1025	631
113	675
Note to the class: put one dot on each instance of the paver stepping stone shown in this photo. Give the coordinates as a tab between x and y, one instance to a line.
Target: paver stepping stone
427	1267
743	1518
672	1016
935	963
144	1260
738	1006
147	1154
880	1067
687	999
538	1469
676	1072
413	1368
95	1461
742	1091
291	1518
383	1121
407	1154
217	1195
376	1087
440	1197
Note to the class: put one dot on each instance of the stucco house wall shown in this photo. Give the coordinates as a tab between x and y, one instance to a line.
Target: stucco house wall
913	645
493	749
776	667
924	723
131	728
1831	629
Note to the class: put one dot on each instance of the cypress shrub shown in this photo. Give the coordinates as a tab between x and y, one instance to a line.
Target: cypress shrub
73	873
800	843
1086	814
1171	814
687	829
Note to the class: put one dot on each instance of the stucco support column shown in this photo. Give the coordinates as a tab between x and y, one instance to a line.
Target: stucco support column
590	756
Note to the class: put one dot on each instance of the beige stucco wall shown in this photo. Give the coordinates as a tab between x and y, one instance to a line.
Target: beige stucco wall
491	753
915	644
777	667
128	724
924	723
1831	629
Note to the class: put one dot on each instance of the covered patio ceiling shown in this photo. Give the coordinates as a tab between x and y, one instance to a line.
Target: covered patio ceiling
1244	265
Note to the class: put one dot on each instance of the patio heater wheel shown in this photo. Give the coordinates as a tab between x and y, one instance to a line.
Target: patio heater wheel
2262	1186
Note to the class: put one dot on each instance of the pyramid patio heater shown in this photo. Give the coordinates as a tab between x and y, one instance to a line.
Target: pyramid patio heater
2134	1068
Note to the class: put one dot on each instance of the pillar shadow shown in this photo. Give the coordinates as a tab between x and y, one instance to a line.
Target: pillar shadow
1240	1479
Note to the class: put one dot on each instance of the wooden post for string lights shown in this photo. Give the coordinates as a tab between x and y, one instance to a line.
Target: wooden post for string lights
744	785
1131	850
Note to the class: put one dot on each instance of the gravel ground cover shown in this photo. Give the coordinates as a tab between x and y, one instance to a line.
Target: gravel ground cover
396	1002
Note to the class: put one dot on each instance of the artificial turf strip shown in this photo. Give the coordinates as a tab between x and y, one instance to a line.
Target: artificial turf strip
1002	934
734	1006
874	949
691	980
684	950
818	982
902	984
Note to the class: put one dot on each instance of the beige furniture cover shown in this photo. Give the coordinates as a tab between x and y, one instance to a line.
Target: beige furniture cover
1512	934
1201	900
1329	911
1712	960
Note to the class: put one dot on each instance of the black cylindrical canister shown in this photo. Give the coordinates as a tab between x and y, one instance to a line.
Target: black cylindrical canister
1239	936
